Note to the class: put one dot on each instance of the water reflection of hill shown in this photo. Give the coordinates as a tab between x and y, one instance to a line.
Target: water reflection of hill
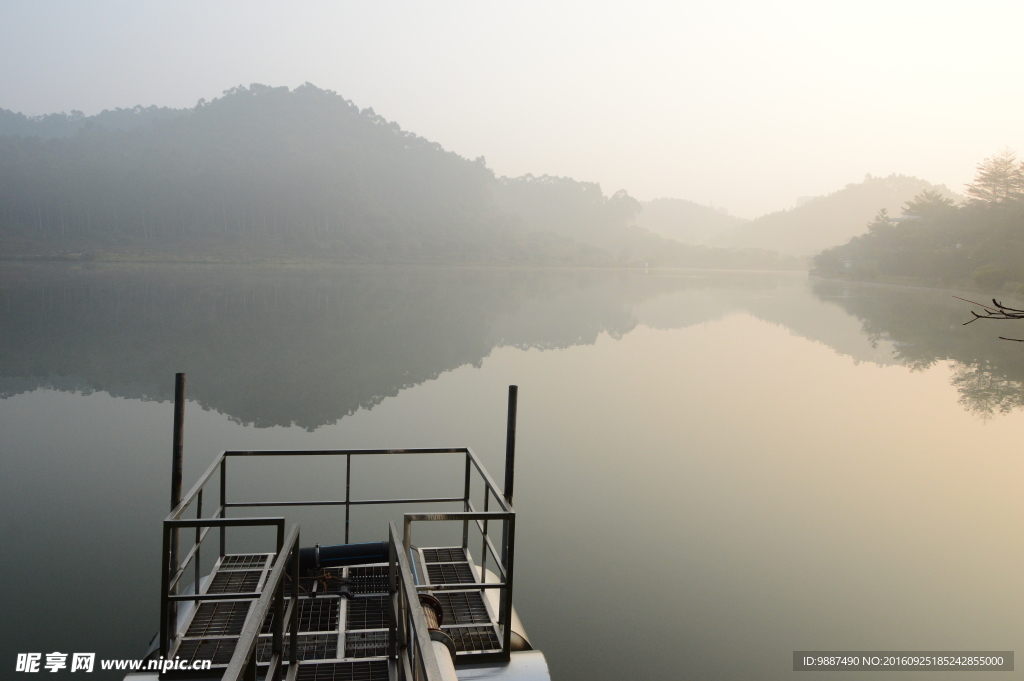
307	346
277	346
924	326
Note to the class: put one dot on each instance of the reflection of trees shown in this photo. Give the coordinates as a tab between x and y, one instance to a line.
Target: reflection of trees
283	345
925	326
983	393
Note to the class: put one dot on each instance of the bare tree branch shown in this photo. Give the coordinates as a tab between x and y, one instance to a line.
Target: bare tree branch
994	311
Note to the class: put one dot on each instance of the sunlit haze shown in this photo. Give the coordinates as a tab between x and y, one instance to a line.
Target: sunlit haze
742	105
696	277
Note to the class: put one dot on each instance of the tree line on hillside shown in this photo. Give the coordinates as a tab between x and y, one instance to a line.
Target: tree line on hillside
47	126
980	241
272	172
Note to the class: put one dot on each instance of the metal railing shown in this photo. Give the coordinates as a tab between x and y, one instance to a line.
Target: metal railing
171	576
243	660
504	582
409	646
502	554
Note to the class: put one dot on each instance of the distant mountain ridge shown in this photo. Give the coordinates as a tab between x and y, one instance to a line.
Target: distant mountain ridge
685	221
827	221
273	173
814	225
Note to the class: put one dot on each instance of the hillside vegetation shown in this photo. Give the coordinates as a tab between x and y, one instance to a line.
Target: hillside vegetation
979	243
266	172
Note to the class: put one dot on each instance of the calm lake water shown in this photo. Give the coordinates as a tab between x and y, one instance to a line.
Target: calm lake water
714	469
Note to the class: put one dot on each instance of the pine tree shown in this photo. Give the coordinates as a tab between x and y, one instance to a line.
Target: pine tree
999	179
928	205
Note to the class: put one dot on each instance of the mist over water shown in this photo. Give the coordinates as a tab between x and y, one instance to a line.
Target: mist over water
714	469
717	247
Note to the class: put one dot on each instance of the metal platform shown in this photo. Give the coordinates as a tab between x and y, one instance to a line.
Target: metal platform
257	616
343	616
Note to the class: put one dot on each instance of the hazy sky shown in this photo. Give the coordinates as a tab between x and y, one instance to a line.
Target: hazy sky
745	105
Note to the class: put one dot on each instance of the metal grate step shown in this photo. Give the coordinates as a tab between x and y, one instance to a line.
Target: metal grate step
377	670
462	607
220	618
450	555
248	561
235	582
450	573
473	639
315	614
311	647
366	644
368	612
218	650
368	580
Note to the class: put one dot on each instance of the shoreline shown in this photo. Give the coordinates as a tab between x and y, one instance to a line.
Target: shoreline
112	259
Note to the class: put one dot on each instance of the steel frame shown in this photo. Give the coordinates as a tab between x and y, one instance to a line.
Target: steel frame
410	653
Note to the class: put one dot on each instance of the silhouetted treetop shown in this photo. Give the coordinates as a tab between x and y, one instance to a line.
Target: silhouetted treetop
65	125
999	179
928	205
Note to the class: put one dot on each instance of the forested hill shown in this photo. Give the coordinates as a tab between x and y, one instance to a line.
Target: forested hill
934	241
267	172
258	170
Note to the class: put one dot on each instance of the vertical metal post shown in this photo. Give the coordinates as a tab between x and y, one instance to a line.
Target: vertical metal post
510	442
506	603
510	463
293	652
483	539
176	466
223	501
198	559
166	628
179	434
407	538
393	603
348	492
277	643
465	506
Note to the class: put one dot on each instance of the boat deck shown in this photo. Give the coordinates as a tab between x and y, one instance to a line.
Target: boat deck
343	617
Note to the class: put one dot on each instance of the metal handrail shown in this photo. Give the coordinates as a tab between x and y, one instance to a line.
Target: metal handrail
409	644
186	500
505	585
244	656
175	521
221	460
169	581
